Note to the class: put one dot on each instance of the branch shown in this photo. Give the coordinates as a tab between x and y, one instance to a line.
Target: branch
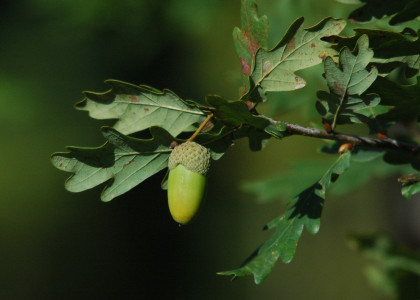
387	143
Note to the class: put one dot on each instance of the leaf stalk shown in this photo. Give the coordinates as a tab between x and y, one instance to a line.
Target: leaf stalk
200	127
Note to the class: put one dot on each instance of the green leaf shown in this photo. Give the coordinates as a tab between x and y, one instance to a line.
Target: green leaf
409	12
140	107
367	164
237	113
410	185
300	174
354	109
276	130
127	161
347	82
363	155
405	10
404	99
391	49
252	35
351	75
363	170
257	138
299	49
305	211
409	190
286	184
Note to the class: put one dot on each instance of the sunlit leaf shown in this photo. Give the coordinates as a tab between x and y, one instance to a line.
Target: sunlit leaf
409	190
410	185
391	49
127	161
300	48
305	211
252	35
139	107
276	130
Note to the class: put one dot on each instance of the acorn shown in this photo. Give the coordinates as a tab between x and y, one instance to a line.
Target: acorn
188	166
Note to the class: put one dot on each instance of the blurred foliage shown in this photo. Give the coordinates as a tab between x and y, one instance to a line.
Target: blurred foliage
57	245
395	270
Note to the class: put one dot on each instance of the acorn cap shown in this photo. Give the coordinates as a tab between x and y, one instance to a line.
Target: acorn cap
192	156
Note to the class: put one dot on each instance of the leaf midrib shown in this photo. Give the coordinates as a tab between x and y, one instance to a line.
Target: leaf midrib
343	96
286	57
162	106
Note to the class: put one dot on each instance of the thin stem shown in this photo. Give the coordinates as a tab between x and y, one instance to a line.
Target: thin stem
343	96
200	128
294	129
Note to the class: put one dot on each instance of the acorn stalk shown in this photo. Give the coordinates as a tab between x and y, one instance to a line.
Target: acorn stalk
188	167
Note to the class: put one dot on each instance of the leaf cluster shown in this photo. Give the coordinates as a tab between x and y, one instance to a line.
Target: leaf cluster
399	11
371	79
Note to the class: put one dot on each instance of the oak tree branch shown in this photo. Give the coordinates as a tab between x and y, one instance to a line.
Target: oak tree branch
387	143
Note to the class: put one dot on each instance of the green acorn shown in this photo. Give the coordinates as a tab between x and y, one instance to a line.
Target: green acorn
188	166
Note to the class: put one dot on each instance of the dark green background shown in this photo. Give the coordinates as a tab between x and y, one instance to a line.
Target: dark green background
59	245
